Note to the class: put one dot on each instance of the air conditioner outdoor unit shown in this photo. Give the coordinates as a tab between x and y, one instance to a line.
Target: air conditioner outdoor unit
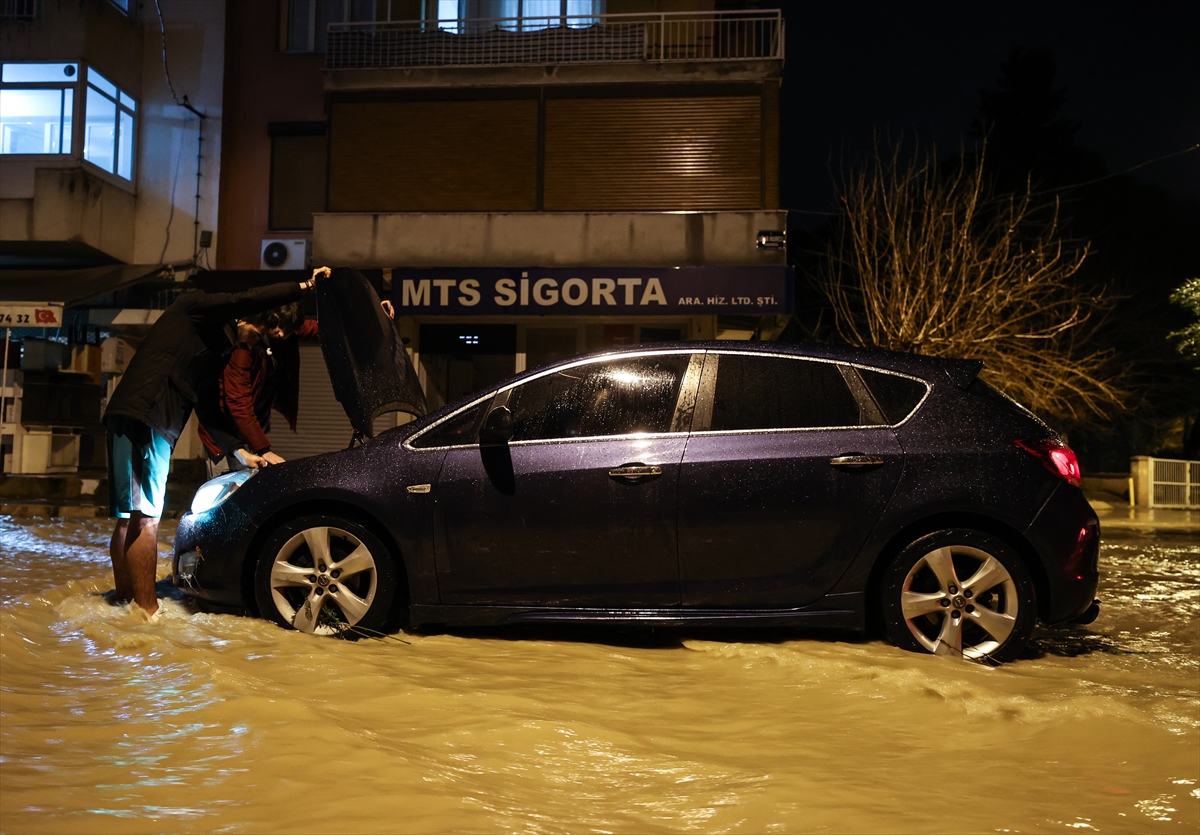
283	254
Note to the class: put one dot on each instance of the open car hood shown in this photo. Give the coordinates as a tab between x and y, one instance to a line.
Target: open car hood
368	366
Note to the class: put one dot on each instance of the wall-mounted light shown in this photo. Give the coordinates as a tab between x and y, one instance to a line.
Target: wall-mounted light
771	239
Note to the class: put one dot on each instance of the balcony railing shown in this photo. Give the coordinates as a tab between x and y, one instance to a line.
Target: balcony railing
592	39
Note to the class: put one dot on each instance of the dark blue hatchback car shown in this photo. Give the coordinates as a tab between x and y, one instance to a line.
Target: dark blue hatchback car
710	484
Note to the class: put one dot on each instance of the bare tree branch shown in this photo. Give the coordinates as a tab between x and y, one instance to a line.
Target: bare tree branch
930	261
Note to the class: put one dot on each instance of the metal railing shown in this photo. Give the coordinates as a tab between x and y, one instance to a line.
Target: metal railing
1174	483
585	39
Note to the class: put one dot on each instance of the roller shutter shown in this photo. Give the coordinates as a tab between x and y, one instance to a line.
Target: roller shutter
434	156
321	424
297	180
654	154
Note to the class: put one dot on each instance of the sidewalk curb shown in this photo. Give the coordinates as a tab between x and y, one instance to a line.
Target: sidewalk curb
1115	514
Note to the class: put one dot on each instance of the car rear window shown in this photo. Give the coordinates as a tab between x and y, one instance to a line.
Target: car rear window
614	397
897	396
759	392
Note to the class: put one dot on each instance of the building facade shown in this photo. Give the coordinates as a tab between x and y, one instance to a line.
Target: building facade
110	132
526	180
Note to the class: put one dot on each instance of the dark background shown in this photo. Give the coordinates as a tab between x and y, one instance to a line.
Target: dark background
1131	73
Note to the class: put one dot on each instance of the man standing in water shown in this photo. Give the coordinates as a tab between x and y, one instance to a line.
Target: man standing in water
180	356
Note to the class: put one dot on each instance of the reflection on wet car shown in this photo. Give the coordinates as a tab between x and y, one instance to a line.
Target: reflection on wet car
700	483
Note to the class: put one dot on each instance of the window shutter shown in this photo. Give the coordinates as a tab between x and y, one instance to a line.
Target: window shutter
297	180
434	156
654	154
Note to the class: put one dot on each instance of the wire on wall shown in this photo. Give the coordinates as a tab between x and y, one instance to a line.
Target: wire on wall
187	105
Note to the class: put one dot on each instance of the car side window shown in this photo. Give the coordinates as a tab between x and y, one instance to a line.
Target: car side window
760	392
897	396
614	397
459	430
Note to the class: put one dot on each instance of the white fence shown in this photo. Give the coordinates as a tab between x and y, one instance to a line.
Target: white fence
591	39
1166	482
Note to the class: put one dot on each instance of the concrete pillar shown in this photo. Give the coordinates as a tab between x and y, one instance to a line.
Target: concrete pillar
1139	471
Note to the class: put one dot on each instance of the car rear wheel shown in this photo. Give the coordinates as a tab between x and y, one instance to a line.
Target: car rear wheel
959	592
326	576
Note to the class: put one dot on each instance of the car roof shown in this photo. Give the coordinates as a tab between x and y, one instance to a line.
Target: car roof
931	369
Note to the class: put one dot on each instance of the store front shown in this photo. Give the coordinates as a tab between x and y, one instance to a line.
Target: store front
471	328
467	329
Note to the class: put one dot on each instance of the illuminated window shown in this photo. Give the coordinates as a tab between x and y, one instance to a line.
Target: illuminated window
36	105
108	126
522	15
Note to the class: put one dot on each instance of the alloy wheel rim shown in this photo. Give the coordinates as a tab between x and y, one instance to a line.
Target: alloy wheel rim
323	580
960	601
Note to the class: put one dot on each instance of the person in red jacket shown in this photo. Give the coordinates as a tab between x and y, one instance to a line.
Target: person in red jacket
235	432
261	375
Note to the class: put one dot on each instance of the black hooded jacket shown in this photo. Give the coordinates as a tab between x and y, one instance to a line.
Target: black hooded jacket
180	359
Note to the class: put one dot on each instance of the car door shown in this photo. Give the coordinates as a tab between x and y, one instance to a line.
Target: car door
578	508
781	482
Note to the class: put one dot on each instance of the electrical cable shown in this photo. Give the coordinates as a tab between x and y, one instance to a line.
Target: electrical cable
162	28
1129	170
1043	192
187	105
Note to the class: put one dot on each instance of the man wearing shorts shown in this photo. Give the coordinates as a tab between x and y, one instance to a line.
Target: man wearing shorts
180	358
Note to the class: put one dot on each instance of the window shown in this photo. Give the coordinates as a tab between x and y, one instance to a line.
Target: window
757	392
308	20
298	166
897	396
108	127
36	106
459	430
518	15
616	397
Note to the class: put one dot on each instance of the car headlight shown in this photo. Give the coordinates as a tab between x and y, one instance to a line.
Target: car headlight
212	493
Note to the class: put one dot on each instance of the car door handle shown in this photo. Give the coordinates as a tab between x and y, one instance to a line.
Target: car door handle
856	459
636	472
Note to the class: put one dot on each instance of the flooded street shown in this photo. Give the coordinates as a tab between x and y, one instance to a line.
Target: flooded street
215	723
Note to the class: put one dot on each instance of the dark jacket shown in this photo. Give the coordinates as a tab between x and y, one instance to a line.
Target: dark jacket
179	361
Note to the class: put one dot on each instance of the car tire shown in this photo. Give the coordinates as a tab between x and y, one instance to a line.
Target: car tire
959	592
327	576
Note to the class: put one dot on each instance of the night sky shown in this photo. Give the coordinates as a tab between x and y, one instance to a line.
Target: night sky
1131	73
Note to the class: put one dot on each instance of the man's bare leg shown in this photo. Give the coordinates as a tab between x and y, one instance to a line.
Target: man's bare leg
116	552
141	554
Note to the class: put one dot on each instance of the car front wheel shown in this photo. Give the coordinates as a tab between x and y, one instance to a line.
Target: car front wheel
959	592
324	575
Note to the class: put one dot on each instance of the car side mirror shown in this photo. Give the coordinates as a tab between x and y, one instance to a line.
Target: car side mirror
497	427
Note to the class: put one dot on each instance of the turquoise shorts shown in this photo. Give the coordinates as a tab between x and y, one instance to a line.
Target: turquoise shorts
139	459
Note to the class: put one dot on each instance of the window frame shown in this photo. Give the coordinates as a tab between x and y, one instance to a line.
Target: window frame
120	109
867	389
857	389
74	134
681	419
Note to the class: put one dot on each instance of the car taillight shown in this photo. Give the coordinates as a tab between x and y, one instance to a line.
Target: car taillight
1055	456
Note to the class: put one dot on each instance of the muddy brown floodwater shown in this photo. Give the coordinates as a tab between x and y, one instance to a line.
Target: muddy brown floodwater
214	723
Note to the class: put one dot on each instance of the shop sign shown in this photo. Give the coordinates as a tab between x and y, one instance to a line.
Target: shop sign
30	315
593	291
